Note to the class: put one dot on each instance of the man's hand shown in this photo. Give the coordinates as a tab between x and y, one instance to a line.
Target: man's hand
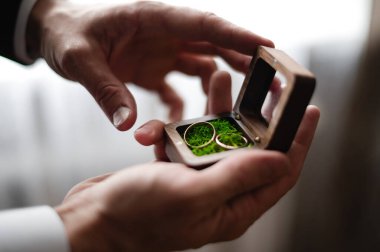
163	206
105	46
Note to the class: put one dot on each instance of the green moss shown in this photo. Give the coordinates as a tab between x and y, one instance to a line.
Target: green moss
202	133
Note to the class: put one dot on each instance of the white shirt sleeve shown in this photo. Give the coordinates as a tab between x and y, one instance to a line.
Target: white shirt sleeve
20	31
32	229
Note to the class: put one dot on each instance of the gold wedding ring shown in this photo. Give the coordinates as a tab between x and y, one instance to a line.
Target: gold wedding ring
230	147
192	127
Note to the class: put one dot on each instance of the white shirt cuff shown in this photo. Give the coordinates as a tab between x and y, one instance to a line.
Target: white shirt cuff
20	31
32	229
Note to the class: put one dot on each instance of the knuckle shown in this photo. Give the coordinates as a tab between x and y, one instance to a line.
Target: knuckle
207	17
209	14
72	55
209	66
106	93
211	18
150	7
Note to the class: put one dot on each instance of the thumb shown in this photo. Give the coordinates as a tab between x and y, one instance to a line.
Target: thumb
110	93
151	133
117	103
244	172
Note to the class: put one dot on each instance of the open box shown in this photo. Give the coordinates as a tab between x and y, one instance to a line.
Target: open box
275	132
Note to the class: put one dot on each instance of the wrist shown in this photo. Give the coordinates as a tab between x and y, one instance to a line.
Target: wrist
83	225
41	10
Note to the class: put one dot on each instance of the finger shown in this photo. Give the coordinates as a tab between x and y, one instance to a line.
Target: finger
239	62
174	102
304	137
275	86
86	184
195	65
269	107
242	173
202	26
84	65
219	97
152	133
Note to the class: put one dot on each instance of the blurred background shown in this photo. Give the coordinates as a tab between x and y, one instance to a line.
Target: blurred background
53	135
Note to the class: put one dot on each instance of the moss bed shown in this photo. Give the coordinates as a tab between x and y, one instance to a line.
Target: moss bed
202	133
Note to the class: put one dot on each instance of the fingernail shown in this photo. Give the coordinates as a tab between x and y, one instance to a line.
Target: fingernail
120	116
143	129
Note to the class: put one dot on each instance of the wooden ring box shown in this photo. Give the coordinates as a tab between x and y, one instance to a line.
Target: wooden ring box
278	133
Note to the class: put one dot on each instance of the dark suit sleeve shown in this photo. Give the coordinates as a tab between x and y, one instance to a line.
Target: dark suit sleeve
8	17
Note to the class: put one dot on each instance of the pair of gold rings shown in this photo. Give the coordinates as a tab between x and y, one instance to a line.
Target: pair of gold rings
227	141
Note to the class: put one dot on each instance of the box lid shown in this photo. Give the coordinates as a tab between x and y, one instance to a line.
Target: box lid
279	132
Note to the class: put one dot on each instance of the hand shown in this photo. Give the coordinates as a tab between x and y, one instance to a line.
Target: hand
105	46
162	206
